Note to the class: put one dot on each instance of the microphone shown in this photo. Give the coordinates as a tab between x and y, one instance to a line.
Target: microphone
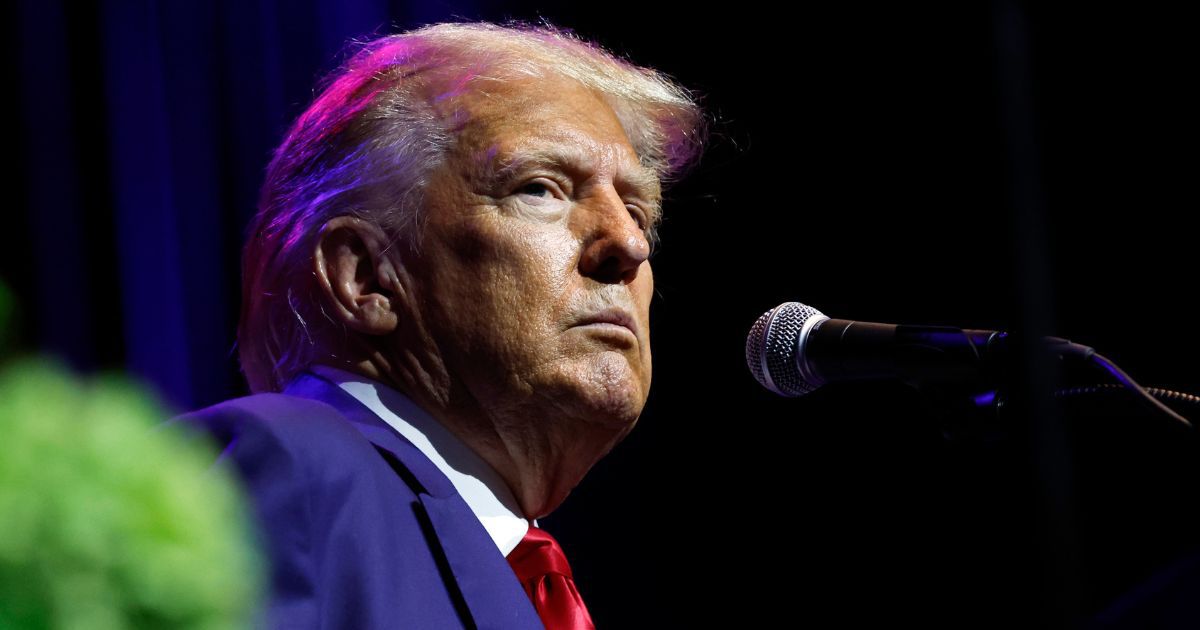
793	349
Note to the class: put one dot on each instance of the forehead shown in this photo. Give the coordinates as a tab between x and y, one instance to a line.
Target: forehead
504	126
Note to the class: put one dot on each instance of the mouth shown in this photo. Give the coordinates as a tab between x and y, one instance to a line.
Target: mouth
612	319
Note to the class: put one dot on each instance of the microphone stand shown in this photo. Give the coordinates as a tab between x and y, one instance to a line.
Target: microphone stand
980	410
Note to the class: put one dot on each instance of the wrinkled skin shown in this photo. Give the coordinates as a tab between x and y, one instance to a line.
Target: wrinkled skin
495	326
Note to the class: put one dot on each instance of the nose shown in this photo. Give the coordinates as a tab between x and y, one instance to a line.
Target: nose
614	244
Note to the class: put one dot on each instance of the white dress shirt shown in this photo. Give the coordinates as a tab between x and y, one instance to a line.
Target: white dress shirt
476	481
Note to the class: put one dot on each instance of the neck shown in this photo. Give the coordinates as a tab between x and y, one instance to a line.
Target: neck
540	452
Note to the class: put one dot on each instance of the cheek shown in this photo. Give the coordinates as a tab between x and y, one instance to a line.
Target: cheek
531	268
643	294
644	286
509	277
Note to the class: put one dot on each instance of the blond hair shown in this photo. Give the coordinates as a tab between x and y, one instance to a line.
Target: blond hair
367	144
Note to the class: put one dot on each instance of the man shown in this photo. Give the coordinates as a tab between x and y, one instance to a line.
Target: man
448	280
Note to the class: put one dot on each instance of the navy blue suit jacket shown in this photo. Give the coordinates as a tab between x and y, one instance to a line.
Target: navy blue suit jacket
361	529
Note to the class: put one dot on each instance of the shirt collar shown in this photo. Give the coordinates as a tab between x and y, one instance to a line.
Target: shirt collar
480	486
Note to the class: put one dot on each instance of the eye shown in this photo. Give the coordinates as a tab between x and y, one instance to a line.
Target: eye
536	189
639	215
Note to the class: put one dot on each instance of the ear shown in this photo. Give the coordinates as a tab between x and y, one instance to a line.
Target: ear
358	283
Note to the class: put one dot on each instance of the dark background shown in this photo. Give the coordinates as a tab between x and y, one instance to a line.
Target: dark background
993	165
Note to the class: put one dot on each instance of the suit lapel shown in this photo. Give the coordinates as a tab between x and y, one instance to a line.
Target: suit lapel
475	562
469	551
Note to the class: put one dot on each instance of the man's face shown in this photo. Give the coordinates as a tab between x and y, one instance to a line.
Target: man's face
533	273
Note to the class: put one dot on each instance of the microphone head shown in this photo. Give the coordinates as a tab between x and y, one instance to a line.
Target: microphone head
773	348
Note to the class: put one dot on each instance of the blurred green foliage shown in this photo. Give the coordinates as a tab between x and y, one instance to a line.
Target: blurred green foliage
109	519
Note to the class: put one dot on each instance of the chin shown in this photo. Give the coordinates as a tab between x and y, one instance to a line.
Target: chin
614	393
601	389
615	410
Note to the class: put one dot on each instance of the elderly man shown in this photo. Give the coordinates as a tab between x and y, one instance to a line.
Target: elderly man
448	281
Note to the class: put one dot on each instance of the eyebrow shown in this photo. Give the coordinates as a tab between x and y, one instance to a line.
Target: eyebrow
498	169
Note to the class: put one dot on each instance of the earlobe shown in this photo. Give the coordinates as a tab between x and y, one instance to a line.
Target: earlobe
355	277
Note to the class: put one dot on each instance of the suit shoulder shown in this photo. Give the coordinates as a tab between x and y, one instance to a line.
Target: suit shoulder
291	423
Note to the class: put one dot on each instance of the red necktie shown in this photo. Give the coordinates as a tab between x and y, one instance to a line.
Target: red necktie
543	571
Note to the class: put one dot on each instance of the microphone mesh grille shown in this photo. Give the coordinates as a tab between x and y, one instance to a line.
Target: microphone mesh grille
775	336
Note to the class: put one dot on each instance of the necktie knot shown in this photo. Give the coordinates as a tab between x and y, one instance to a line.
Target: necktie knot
541	567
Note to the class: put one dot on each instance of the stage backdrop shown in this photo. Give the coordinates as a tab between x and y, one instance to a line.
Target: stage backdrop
989	165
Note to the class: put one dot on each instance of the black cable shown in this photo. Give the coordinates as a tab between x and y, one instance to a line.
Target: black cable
1168	395
1127	382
